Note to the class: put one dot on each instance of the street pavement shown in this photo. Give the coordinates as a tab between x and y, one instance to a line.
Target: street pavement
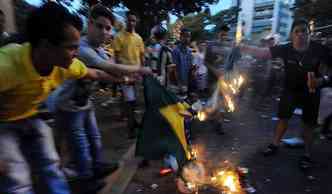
248	131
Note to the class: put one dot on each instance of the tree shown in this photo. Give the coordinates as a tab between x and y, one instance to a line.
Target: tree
318	10
152	12
196	23
225	17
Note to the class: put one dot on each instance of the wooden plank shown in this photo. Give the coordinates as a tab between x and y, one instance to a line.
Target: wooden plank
118	181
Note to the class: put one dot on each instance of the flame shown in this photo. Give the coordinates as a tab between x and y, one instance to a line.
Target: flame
201	115
227	180
191	186
230	183
234	91
229	103
240	81
221	173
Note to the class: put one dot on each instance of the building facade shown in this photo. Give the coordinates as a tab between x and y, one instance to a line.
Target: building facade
261	17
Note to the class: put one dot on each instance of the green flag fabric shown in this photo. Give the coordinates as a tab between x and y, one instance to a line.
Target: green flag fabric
163	128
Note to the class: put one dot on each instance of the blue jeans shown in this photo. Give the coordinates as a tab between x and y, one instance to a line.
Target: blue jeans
84	138
28	144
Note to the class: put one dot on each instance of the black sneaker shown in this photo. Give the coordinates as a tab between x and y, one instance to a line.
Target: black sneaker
271	150
306	163
104	169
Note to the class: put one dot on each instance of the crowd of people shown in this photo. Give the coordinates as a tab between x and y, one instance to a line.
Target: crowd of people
57	66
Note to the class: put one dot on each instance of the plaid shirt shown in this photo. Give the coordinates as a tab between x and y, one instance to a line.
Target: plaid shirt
182	57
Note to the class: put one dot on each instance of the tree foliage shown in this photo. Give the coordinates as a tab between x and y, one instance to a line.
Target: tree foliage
318	10
151	12
198	23
225	17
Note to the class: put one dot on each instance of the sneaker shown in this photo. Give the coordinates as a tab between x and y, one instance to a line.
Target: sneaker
306	163
104	169
270	150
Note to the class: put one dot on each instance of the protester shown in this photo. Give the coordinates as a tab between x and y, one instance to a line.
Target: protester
165	63
265	74
29	72
76	112
129	49
302	59
215	58
182	58
198	53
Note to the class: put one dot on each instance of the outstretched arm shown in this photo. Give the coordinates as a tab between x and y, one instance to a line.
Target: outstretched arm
92	59
261	53
97	74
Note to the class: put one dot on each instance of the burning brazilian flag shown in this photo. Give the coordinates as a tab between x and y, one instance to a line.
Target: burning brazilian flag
163	128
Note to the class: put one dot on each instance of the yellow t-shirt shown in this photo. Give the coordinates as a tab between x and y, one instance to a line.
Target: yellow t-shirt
22	89
130	46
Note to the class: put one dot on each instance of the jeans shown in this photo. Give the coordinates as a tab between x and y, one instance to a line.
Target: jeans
84	138
27	145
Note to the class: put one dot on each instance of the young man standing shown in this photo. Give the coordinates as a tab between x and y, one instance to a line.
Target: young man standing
183	59
302	59
215	57
129	49
164	60
28	73
76	112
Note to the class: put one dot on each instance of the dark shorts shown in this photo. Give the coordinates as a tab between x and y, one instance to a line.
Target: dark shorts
309	103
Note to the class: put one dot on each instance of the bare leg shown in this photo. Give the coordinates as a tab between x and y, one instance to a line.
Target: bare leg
308	138
280	131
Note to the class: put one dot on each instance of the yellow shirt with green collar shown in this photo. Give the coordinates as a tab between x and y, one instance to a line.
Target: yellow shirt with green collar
22	89
130	46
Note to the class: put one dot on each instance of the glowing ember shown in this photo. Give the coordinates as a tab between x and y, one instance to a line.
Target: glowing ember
201	115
